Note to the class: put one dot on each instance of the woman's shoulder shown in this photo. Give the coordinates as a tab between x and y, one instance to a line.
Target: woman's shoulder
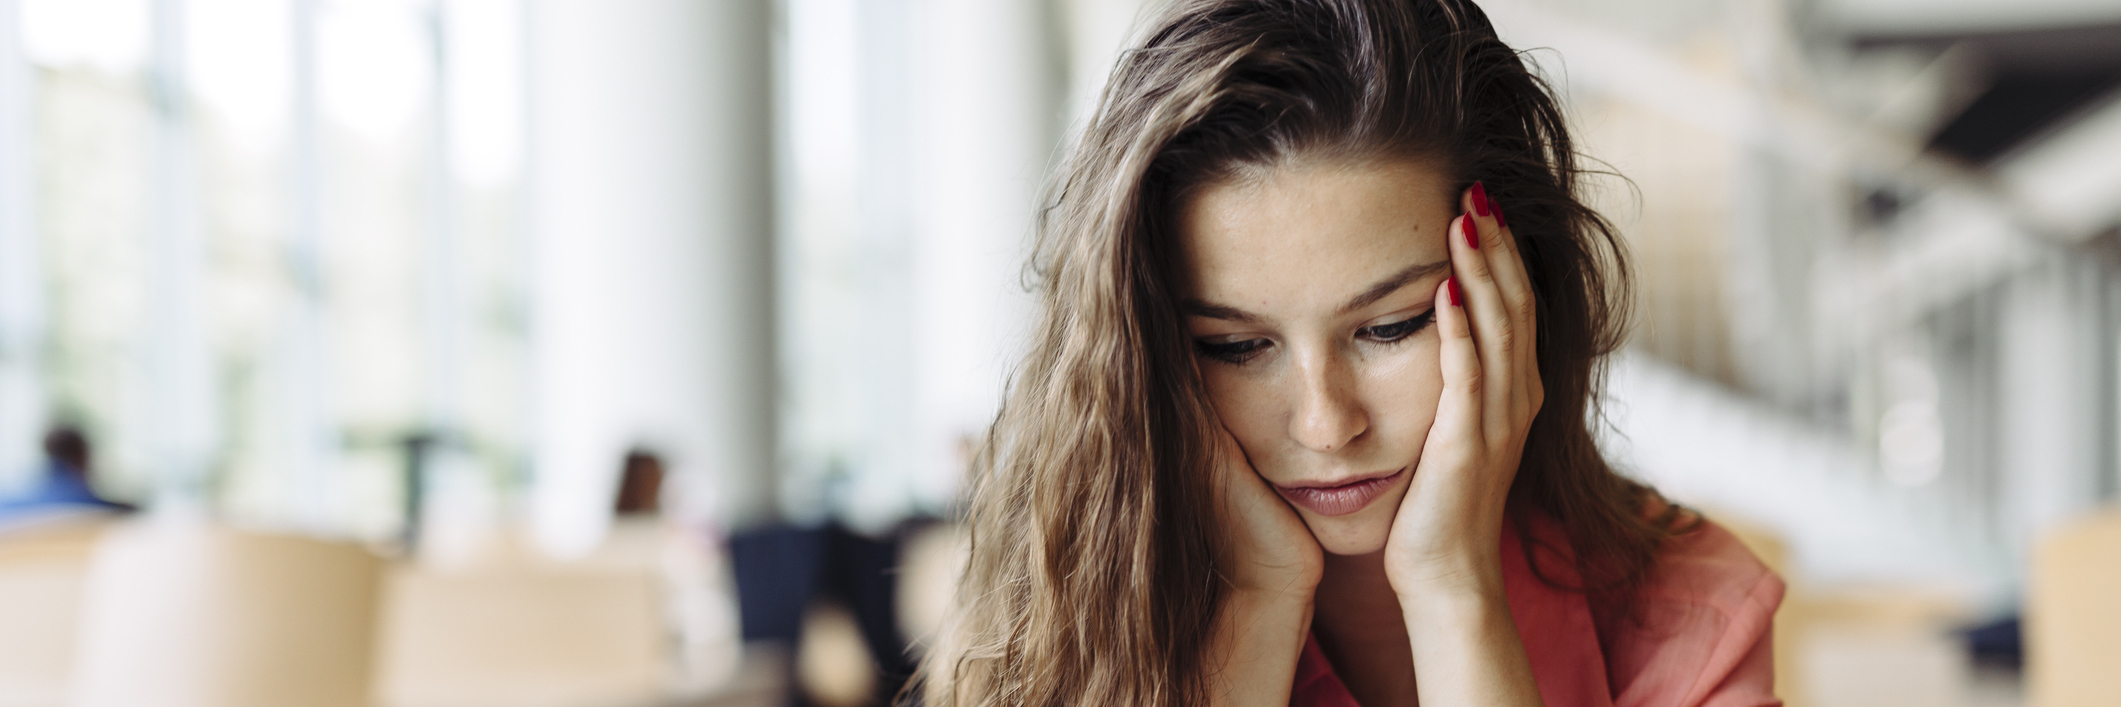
1701	625
1709	565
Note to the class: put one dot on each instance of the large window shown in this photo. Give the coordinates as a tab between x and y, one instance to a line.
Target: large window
278	244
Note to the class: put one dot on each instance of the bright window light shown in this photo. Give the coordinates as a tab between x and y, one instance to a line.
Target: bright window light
111	35
241	63
485	82
375	66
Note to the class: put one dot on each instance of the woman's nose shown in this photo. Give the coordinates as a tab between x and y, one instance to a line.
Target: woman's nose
1329	414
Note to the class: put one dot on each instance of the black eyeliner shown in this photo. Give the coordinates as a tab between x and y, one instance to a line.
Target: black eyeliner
1414	326
1232	352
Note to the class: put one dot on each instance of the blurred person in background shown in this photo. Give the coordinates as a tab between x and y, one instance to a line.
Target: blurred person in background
66	483
686	554
640	485
1306	417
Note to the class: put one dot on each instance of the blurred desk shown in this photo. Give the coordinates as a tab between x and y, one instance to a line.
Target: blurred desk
43	568
2073	615
640	622
519	638
185	613
760	681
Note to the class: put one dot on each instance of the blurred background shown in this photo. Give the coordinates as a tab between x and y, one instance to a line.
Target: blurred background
554	352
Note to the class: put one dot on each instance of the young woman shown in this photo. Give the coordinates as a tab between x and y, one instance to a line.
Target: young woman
1306	420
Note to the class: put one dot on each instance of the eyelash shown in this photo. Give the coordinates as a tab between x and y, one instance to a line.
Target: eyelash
1233	352
1402	328
1238	352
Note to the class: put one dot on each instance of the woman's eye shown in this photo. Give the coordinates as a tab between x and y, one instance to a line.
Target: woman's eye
1398	330
1231	351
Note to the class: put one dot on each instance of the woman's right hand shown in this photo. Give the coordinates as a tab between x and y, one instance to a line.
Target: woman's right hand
1276	564
1273	552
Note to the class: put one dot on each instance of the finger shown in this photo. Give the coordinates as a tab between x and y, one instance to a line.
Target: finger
1499	243
1513	281
1492	328
1458	412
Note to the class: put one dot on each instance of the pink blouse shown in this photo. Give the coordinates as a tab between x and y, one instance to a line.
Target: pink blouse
1701	637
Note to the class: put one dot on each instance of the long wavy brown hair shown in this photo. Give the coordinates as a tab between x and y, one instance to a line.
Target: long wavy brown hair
1096	542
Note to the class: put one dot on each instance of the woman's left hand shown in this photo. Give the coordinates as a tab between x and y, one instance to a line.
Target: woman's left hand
1445	539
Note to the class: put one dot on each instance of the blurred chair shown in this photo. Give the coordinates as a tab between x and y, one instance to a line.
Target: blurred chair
645	618
636	622
1878	646
2073	615
929	568
833	666
520	637
43	565
183	614
829	594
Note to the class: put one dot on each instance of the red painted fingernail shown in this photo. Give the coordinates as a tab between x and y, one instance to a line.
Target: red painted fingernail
1452	285
1499	223
1472	233
1480	199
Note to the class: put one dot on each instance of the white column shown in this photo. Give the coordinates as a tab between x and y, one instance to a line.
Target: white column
829	256
989	83
2050	430
919	134
304	435
870	489
478	122
21	278
182	417
442	272
651	202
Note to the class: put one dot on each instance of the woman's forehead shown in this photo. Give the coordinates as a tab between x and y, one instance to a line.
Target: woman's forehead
1312	231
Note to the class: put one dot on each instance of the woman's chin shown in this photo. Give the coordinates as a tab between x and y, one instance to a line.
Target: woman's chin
1360	533
1351	547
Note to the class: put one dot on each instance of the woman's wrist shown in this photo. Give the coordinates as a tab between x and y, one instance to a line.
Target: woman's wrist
1263	623
1252	655
1451	605
1473	639
1450	581
1286	581
1293	598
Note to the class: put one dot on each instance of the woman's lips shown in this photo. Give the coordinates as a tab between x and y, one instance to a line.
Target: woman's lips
1342	499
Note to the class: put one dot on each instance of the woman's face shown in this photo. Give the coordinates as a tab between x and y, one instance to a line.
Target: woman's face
1307	294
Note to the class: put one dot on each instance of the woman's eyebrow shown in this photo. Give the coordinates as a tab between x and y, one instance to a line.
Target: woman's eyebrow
1381	290
1392	284
1198	308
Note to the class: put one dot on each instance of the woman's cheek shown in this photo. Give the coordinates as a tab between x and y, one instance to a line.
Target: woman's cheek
1256	409
1405	390
1242	402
